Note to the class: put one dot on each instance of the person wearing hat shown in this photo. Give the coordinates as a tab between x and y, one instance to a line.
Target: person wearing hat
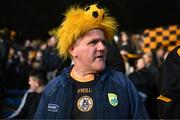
88	89
169	98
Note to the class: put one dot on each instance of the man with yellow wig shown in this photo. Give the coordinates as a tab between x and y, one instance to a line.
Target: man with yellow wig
88	89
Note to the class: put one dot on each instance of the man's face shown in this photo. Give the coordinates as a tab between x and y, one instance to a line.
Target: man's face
89	51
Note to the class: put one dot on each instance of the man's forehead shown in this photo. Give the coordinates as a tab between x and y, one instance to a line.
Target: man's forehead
95	31
92	34
95	34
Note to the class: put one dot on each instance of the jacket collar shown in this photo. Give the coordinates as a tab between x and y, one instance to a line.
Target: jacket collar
100	77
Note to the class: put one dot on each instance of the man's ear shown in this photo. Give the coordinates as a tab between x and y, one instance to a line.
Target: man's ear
72	50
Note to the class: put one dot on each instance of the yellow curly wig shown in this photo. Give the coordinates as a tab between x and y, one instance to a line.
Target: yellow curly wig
78	21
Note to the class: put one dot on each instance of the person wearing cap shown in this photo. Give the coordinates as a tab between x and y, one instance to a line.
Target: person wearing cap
88	89
169	98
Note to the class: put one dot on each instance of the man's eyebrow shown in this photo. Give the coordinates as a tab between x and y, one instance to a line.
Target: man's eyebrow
96	40
93	40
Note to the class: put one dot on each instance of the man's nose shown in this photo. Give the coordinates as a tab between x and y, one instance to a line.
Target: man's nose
101	46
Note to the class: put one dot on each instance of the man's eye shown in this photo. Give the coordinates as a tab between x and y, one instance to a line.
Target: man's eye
104	42
93	42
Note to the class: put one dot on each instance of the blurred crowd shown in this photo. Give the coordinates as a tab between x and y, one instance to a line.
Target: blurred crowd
18	60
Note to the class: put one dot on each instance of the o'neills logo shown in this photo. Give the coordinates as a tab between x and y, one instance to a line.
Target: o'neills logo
84	90
85	103
53	107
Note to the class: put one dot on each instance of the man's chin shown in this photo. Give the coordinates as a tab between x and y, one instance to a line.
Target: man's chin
100	68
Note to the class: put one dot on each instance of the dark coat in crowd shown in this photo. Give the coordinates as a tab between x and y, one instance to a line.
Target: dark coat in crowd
114	58
169	99
145	83
16	74
52	60
30	106
4	48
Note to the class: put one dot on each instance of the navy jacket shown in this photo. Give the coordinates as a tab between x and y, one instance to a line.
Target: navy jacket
57	99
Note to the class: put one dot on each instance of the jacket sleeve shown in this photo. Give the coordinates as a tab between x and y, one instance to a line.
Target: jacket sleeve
20	109
138	110
42	108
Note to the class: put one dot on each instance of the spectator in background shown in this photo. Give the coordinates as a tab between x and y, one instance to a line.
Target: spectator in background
127	48
125	44
12	70
159	57
146	85
151	67
52	60
169	99
4	50
30	101
137	39
27	47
